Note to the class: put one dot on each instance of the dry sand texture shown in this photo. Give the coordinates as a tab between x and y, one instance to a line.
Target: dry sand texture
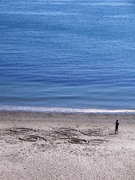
49	146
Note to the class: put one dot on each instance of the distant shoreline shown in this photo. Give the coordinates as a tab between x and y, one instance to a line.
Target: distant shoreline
67	117
65	110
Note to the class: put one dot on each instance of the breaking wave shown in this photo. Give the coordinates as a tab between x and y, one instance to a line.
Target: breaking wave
63	110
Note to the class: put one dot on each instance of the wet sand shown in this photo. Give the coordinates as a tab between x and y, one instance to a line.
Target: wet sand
52	146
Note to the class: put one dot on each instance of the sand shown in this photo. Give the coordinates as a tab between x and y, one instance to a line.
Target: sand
51	146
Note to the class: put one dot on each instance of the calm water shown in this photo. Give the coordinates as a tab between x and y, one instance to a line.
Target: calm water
67	54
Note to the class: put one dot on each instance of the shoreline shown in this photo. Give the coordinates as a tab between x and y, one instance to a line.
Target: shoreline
41	113
37	145
65	110
81	118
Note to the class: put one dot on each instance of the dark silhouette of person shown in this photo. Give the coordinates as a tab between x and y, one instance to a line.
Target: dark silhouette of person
116	126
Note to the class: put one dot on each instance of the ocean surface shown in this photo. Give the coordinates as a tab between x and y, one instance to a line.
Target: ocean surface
67	55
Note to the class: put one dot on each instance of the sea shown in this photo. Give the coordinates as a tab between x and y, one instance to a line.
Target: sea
67	55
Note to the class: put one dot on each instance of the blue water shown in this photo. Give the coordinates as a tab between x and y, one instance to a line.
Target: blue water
61	54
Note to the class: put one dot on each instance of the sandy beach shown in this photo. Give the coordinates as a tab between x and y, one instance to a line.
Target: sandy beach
54	146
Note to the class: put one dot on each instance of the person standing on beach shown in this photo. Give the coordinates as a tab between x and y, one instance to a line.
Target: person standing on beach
116	126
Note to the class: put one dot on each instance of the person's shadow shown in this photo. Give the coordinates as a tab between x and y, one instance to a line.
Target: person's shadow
111	133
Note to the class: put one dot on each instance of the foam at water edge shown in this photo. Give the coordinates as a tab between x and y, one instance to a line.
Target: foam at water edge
63	110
